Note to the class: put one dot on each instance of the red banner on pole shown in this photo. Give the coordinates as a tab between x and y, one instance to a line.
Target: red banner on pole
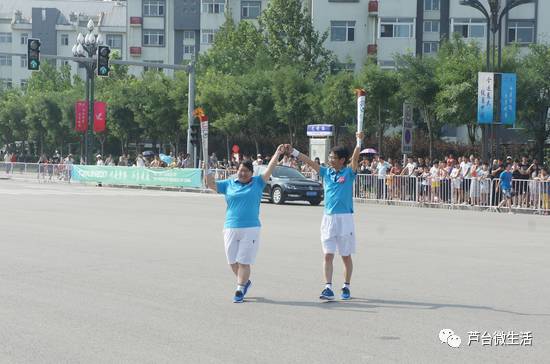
100	109
81	116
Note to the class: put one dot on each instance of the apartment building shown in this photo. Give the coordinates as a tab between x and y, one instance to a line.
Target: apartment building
418	26
172	31
57	26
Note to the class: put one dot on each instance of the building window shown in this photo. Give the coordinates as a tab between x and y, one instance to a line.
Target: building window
65	39
431	5
207	36
469	28
5	37
114	41
342	31
522	32
188	51
24	38
385	64
339	67
189	35
213	6
153	38
65	63
5	60
397	27
5	83
431	26
147	68
23	84
250	9
153	7
430	47
23	61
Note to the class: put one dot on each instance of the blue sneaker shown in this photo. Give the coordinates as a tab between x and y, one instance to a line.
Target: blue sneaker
327	294
345	295
239	297
246	287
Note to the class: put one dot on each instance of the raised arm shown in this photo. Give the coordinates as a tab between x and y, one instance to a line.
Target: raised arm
357	151
303	158
273	162
211	182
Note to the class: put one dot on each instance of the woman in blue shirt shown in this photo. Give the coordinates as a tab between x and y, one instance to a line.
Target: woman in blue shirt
243	195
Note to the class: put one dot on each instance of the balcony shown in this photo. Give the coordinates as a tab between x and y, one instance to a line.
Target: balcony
373	7
135	51
136	21
372	49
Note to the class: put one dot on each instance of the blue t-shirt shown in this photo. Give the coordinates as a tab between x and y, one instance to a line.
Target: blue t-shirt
338	190
506	180
243	201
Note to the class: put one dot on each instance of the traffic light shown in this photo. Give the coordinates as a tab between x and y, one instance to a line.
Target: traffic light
195	130
33	54
103	61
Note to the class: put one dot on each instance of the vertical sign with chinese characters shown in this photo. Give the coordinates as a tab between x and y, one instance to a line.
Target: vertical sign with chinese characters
485	97
406	141
81	116
204	137
508	99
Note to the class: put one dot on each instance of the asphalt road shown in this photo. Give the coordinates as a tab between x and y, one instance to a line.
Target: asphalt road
105	275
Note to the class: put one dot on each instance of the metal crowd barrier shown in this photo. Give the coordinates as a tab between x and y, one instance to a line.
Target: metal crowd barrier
475	192
36	171
480	193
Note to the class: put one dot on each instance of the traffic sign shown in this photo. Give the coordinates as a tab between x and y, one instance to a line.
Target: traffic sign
406	141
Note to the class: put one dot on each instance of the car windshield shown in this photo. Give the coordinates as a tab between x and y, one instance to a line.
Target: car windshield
285	172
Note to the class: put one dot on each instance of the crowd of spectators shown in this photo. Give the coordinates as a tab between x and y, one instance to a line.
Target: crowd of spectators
462	181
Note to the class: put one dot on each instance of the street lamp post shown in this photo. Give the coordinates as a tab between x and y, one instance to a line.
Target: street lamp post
494	16
191	149
86	47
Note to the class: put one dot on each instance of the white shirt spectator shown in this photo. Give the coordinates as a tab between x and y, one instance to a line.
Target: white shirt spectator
140	162
410	167
434	172
286	161
465	168
258	162
382	169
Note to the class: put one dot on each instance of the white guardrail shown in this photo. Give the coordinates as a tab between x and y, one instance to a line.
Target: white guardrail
480	193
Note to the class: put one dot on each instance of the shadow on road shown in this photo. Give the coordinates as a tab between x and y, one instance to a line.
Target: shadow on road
367	305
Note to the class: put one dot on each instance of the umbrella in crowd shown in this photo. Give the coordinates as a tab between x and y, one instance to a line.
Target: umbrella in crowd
148	153
369	151
165	158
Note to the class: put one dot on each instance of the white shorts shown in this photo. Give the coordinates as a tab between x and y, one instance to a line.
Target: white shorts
241	244
338	234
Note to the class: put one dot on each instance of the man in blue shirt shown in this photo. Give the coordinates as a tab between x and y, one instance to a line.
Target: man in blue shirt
242	219
337	226
505	182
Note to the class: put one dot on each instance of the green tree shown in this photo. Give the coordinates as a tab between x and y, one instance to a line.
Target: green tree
292	39
290	89
12	115
240	105
335	103
419	86
456	73
118	91
152	111
236	49
534	95
382	99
